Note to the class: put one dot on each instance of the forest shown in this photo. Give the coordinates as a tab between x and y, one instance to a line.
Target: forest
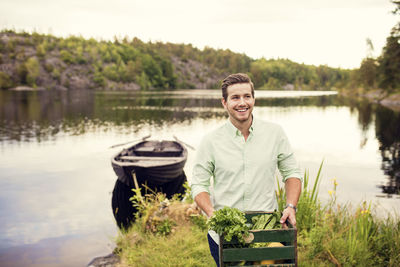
382	72
43	61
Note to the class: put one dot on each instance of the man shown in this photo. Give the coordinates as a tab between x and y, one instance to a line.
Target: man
241	157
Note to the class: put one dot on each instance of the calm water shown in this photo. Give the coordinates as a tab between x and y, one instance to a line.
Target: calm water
56	179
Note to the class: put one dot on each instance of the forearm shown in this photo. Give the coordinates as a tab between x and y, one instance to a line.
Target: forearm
204	202
293	190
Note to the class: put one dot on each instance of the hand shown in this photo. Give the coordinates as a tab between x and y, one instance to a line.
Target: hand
210	213
288	214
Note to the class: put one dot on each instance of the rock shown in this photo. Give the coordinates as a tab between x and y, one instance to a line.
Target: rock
375	95
106	261
26	88
288	87
60	88
131	86
392	102
79	82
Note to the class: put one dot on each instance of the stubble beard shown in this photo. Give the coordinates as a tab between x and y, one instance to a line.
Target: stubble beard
241	120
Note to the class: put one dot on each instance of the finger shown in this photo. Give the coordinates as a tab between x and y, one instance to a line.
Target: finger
284	217
292	220
283	220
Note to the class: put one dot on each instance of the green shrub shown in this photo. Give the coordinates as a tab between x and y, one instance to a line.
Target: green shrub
33	71
111	72
80	58
48	67
10	46
67	57
41	50
21	73
56	74
5	80
99	79
144	81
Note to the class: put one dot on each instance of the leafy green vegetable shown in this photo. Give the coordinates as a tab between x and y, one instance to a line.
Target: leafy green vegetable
266	221
229	222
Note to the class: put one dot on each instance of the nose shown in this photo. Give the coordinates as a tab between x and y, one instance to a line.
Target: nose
241	101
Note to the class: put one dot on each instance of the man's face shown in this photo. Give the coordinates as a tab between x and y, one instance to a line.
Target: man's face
239	103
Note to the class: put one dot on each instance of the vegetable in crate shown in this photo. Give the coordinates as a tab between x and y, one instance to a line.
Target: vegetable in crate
266	221
229	222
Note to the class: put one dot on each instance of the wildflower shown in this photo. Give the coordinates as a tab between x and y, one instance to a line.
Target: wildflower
331	192
365	212
335	183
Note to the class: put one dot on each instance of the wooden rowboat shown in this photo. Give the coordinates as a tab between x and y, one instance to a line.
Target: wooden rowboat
156	165
161	161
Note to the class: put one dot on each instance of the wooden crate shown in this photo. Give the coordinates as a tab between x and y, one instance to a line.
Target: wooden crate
287	254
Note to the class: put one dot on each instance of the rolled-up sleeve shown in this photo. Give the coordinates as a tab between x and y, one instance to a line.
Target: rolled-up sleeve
203	169
287	163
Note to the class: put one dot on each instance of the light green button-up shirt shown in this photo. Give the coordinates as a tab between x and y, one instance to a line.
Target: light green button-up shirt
242	173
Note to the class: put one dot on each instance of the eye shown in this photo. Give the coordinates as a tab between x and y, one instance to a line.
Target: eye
234	97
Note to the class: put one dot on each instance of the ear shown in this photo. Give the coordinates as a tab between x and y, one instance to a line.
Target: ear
223	102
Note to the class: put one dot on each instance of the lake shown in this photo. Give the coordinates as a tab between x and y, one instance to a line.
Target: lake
56	178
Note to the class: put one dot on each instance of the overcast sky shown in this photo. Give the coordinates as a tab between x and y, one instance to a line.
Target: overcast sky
306	31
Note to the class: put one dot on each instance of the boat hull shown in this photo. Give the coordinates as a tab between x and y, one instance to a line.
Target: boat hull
157	166
161	165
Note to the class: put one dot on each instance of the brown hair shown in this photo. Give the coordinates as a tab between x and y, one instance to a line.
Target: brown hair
234	79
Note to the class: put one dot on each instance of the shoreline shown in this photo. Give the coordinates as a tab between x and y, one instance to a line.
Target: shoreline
109	260
378	97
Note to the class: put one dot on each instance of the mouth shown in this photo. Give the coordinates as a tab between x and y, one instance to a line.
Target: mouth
242	110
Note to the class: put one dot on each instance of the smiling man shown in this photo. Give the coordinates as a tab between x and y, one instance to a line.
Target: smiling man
238	161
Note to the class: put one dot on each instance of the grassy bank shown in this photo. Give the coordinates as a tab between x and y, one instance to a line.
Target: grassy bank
174	234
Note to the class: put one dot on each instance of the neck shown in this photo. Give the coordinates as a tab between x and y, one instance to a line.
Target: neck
243	126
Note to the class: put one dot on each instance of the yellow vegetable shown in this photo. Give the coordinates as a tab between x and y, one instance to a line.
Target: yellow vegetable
265	262
270	245
275	244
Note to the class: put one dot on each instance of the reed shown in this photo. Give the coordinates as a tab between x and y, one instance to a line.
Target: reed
329	234
335	234
309	206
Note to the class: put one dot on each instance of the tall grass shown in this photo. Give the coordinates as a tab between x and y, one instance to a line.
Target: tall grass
167	232
329	234
186	247
309	206
333	234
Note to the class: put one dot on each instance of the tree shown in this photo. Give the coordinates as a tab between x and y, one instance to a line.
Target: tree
67	57
366	74
389	62
144	81
5	80
33	71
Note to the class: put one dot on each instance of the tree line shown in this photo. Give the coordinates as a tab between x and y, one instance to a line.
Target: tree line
39	60
382	72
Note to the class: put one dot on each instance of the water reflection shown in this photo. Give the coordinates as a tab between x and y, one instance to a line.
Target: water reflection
387	128
387	132
43	115
63	189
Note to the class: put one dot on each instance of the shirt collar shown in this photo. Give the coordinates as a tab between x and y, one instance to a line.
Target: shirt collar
232	130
